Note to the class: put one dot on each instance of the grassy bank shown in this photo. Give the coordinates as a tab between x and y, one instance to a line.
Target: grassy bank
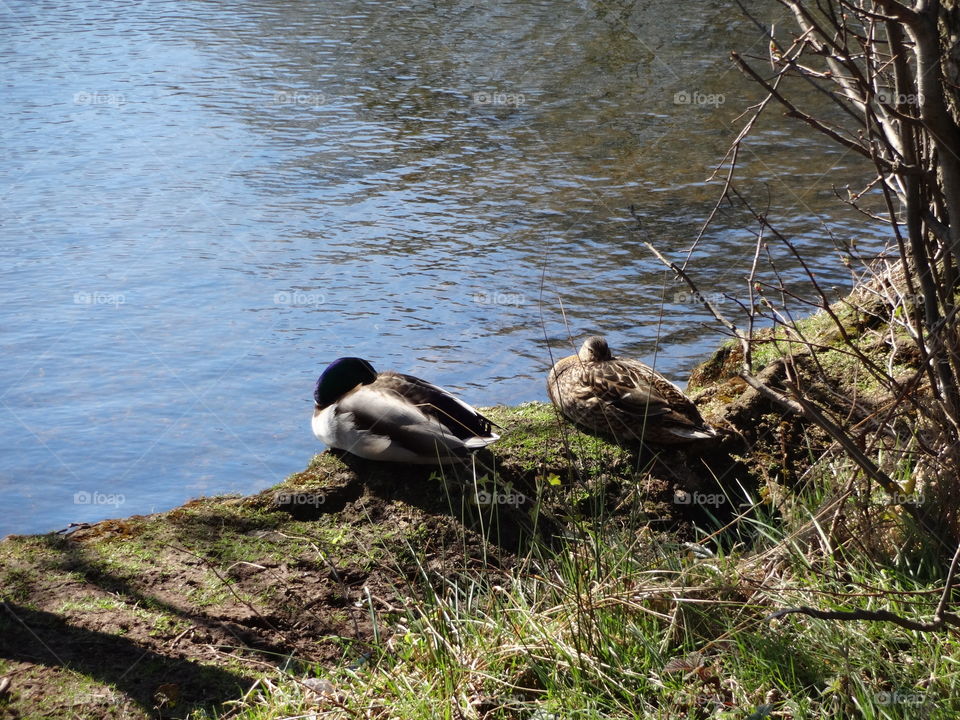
561	577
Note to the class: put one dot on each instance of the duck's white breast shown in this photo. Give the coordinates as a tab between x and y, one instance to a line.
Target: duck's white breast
337	429
323	426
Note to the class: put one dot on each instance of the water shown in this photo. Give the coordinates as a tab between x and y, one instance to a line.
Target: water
204	204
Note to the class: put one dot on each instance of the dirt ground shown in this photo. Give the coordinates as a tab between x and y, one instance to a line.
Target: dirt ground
153	616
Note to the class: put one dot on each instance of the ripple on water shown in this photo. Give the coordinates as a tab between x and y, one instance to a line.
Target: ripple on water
205	205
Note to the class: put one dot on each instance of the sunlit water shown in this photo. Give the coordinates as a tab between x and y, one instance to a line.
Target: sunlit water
205	203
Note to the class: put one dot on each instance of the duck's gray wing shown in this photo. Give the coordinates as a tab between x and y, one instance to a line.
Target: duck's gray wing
457	417
380	416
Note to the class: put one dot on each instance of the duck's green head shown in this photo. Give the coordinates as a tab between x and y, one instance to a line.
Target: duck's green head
341	377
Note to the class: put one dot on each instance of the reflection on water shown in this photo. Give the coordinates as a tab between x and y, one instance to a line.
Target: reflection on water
206	204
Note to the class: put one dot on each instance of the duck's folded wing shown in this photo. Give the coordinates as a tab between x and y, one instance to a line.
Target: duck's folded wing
627	391
635	392
457	417
375	413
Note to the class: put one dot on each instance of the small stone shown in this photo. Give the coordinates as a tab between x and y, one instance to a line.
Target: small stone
319	686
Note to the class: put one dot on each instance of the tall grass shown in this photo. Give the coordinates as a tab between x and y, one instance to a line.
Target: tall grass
619	621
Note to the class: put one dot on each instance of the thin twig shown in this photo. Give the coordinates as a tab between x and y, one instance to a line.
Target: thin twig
940	616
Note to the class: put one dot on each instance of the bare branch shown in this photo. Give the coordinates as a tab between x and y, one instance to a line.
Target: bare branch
940	616
794	111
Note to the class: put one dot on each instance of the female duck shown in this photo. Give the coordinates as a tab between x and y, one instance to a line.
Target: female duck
394	417
623	399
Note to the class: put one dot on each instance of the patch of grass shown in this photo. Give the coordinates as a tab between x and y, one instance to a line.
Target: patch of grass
72	694
212	591
604	618
165	625
16	583
622	622
861	321
86	604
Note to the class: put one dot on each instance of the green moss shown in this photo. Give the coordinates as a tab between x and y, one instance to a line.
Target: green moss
819	329
832	339
535	437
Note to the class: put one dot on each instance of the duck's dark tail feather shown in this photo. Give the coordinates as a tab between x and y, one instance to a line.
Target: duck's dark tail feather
688	433
475	443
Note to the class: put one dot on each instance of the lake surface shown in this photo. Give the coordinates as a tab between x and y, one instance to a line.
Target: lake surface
203	204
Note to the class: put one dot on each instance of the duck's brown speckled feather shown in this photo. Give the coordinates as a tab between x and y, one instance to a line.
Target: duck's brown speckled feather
623	399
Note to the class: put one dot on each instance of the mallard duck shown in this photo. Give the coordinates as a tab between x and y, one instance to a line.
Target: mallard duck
623	399
394	417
